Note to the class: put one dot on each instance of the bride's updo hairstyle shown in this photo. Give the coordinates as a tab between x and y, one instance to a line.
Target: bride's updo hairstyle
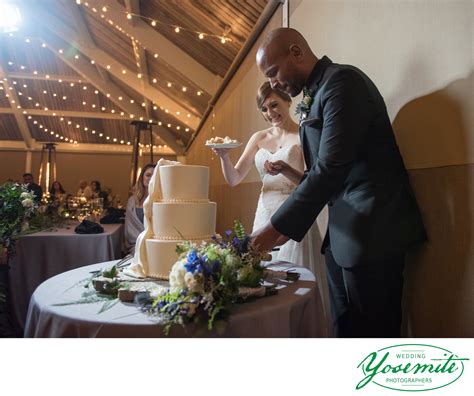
264	92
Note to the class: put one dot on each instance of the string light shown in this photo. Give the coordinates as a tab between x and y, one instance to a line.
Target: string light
92	61
153	22
64	97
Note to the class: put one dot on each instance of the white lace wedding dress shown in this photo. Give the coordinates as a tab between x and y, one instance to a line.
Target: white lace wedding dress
275	190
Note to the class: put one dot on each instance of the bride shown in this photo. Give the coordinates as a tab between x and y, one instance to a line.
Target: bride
279	160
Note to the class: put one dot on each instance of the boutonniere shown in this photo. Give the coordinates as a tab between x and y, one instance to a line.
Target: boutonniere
304	107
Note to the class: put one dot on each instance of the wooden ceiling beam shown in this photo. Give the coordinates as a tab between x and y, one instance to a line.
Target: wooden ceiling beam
133	6
67	113
16	145
83	30
156	43
115	68
14	101
85	69
51	77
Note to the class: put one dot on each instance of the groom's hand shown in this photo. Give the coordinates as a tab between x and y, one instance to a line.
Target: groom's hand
267	238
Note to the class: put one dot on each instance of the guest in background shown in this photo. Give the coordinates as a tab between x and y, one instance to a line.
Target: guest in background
56	192
134	214
98	193
84	190
29	180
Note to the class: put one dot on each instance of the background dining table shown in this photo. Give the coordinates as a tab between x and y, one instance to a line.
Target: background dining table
44	254
295	311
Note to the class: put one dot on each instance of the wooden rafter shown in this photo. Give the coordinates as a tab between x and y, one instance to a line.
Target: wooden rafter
55	26
42	77
19	116
14	145
83	30
85	69
67	113
133	6
157	43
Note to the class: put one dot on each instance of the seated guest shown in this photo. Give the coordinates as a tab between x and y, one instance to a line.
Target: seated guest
29	180
98	193
134	214
84	190
56	192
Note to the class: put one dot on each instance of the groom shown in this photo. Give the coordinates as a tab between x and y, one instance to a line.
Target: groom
354	166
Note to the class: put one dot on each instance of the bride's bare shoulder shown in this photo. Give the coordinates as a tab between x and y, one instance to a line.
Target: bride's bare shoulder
262	135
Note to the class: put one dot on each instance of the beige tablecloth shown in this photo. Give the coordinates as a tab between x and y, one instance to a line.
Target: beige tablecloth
45	254
296	311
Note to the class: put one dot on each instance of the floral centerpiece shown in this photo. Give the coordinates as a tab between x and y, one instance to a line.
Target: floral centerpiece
208	279
17	205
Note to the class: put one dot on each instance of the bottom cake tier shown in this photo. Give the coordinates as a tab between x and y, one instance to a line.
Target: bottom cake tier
161	257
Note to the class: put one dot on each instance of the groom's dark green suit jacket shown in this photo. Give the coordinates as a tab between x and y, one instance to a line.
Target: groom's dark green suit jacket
353	165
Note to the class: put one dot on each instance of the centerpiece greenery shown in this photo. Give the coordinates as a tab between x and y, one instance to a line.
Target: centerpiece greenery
17	205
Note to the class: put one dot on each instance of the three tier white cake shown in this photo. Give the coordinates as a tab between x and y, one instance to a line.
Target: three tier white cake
177	209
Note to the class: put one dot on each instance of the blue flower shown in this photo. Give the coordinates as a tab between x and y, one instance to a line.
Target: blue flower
193	262
192	256
241	246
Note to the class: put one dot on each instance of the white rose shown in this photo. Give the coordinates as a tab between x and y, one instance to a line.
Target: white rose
25	195
194	282
177	276
27	203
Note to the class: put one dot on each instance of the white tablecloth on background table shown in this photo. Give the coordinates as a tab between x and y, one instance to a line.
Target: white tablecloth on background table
44	254
295	311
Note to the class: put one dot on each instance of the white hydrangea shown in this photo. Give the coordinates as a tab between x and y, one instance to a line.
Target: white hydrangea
27	203
178	271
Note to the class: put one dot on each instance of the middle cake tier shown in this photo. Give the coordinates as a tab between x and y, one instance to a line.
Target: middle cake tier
188	220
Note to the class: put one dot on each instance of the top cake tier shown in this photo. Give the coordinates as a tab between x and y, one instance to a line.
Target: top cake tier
184	182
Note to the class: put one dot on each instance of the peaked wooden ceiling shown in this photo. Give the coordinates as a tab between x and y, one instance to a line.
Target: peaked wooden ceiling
80	71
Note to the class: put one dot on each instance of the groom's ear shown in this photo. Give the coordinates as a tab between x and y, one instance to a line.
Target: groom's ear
295	51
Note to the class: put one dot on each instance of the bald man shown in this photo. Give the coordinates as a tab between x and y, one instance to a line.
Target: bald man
355	167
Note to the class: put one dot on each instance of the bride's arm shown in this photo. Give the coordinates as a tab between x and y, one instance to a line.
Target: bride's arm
233	175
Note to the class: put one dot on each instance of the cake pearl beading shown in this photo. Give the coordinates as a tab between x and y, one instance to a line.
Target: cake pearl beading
184	238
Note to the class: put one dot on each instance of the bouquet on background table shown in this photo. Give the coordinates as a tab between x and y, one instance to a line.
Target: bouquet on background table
208	279
17	205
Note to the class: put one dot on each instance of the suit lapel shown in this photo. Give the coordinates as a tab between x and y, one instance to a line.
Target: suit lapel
313	83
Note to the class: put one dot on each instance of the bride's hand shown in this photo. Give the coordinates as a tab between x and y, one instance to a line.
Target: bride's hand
276	167
221	152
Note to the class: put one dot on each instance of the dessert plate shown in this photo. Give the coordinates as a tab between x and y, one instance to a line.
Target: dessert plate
223	145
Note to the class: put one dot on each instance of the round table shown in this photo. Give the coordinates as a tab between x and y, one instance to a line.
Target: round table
295	311
47	253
